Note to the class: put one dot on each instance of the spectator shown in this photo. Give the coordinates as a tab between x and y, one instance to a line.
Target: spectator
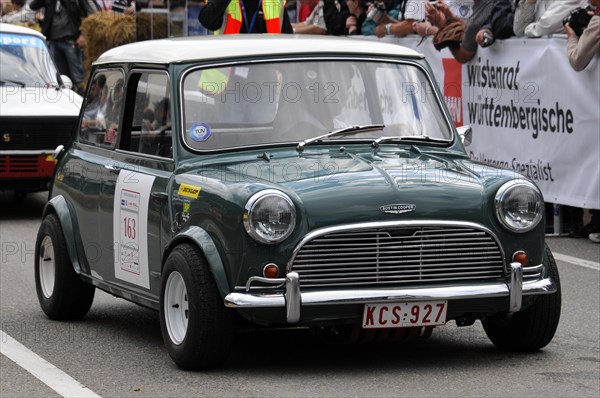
21	14
401	18
93	115
500	24
328	18
61	26
358	13
456	34
536	18
306	8
582	49
314	24
114	104
245	16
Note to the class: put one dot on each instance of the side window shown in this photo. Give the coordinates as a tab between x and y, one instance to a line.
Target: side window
104	103
151	131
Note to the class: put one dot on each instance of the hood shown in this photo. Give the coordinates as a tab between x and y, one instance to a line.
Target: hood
330	186
39	101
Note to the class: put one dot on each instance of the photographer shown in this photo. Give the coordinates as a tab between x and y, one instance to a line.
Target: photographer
500	24
582	49
537	18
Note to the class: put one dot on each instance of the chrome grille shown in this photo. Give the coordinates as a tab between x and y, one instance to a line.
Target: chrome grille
398	256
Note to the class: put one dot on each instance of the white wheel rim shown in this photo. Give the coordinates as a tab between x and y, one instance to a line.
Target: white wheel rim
47	267
176	307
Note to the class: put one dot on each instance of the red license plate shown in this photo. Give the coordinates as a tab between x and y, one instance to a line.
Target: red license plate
402	315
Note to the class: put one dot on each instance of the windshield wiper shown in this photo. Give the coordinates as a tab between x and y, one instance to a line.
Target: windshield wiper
340	131
422	138
18	83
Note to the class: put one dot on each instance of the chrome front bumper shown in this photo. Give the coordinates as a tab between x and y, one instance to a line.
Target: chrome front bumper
293	299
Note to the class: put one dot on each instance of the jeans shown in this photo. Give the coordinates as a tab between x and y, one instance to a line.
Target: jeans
68	59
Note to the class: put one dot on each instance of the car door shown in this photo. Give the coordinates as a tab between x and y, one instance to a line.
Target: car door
135	219
80	179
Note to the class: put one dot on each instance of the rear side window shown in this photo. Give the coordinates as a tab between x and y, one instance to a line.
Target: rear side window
151	131
103	109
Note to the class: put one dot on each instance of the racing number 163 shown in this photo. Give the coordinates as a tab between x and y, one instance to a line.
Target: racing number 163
129	227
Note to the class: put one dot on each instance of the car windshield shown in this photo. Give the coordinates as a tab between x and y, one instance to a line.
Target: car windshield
25	62
290	102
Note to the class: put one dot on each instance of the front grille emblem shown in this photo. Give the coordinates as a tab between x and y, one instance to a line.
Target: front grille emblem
6	137
398	208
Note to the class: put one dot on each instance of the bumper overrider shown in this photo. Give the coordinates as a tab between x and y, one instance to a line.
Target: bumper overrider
514	288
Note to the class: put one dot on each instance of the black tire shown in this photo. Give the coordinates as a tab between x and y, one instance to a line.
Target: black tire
201	337
61	293
534	327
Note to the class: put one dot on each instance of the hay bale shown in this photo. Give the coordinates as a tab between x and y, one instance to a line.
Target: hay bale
151	26
103	31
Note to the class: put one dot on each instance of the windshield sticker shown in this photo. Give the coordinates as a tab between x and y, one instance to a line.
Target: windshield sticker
20	41
200	132
189	191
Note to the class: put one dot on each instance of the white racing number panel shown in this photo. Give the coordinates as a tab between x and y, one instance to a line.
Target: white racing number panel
401	315
130	227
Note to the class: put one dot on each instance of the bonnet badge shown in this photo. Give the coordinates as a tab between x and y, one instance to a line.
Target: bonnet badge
398	208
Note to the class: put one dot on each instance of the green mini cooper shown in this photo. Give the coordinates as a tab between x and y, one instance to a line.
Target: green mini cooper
288	181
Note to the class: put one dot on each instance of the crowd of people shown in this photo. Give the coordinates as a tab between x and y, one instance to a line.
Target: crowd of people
462	26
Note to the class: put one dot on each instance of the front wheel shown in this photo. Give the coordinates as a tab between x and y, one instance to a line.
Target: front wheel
534	327
197	328
62	295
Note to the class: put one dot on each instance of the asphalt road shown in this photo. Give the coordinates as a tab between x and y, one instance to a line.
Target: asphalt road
117	349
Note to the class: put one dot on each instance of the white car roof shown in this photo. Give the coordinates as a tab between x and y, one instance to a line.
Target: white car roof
10	28
178	50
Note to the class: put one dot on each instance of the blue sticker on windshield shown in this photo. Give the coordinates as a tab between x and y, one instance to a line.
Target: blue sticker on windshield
21	41
199	132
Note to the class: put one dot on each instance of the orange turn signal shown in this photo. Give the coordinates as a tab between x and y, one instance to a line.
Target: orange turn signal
521	257
271	271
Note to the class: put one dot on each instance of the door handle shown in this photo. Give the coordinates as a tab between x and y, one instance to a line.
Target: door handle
112	168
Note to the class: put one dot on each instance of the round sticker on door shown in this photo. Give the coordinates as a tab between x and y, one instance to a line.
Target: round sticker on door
199	132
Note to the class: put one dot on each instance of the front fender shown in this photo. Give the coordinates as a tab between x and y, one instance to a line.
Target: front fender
59	206
202	239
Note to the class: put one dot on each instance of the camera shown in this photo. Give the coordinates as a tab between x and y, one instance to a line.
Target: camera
376	12
488	39
578	19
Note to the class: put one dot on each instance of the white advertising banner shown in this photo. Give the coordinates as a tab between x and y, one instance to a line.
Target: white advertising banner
530	112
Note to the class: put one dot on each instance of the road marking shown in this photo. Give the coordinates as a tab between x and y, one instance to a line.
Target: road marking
47	373
577	261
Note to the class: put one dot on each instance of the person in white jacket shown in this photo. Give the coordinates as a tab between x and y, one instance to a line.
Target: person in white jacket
536	18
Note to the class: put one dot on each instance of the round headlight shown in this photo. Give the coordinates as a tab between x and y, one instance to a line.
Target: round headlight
519	205
270	216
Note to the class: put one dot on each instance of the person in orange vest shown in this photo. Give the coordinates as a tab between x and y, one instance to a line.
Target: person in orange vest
245	16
